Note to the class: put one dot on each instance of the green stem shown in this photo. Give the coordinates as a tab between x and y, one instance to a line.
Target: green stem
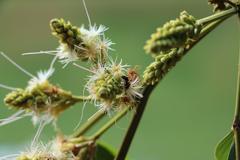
147	92
236	123
81	98
217	16
109	124
89	124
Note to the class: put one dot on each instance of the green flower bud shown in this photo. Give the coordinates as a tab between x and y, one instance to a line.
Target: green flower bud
80	43
66	32
44	97
162	65
174	34
108	86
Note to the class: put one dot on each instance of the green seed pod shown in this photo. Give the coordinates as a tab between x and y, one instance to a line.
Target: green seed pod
108	86
66	32
71	44
162	64
80	43
18	99
44	97
174	34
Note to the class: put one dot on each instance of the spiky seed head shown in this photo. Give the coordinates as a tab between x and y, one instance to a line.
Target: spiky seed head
162	64
80	43
65	32
44	97
174	34
114	86
106	84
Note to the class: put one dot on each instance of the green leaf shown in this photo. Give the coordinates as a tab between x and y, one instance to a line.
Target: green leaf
224	146
104	152
232	154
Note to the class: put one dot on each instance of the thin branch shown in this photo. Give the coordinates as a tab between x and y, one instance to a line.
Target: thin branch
88	125
81	98
216	16
109	124
236	123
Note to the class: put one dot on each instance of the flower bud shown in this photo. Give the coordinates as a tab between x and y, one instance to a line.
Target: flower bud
162	65
114	86
80	43
173	34
44	97
66	32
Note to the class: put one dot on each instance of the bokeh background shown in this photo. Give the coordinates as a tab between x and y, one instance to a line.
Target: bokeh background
188	113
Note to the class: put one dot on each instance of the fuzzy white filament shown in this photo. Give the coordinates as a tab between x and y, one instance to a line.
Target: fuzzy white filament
8	87
42	76
42	124
41	52
83	68
15	64
81	117
134	90
16	116
53	61
87	13
66	55
9	157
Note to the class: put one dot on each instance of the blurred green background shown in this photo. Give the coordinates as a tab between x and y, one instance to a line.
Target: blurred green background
188	113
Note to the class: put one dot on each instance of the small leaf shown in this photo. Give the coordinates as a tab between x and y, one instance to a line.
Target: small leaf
104	152
232	154
224	146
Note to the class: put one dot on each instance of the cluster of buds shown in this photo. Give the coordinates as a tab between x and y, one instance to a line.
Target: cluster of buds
80	43
174	34
161	66
39	97
113	86
168	44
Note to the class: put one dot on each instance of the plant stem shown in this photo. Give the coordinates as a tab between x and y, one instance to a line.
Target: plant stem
236	123
110	123
89	124
220	15
81	98
146	93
